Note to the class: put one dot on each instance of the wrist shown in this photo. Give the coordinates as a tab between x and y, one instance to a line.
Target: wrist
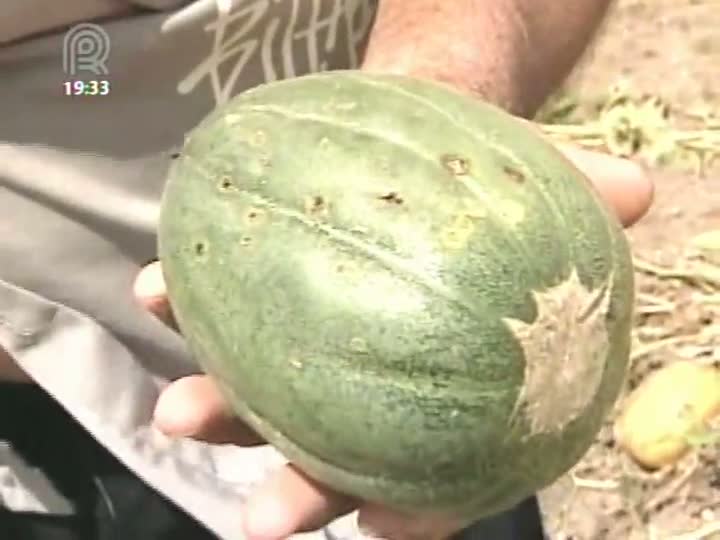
513	53
480	54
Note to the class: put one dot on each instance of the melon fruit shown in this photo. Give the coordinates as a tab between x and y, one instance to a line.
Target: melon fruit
408	292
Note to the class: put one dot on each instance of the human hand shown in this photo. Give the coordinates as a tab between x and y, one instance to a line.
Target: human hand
290	501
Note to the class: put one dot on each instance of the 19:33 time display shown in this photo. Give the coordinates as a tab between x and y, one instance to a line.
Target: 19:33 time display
86	88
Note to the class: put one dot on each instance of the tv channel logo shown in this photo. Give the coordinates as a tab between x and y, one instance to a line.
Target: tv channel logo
86	48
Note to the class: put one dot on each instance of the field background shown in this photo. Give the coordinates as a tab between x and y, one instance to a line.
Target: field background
651	88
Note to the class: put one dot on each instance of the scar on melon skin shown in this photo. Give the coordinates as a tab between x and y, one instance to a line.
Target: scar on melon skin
565	350
455	165
456	235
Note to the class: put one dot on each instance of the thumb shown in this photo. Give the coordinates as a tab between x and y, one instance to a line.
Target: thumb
622	183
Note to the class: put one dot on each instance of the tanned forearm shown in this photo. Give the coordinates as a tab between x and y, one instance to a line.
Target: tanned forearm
514	53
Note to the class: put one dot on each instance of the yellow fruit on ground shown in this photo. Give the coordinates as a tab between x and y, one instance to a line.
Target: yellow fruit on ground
666	410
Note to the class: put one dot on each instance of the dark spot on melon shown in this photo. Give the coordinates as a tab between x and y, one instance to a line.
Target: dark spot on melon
245	241
254	216
391	197
174	155
200	248
226	183
455	165
514	174
315	205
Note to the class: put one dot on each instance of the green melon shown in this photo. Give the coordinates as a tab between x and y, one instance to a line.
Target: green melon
406	291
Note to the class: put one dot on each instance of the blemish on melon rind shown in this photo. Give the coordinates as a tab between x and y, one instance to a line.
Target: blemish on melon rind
514	174
455	164
225	183
456	235
316	205
391	197
257	139
565	348
255	216
200	249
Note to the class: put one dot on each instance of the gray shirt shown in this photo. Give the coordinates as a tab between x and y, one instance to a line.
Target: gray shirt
80	180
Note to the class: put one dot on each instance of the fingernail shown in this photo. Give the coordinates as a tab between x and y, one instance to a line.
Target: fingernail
149	283
171	418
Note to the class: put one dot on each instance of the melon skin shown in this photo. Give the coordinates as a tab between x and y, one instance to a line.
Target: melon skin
408	292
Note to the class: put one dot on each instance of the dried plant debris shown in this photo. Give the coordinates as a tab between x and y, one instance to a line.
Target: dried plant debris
644	126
